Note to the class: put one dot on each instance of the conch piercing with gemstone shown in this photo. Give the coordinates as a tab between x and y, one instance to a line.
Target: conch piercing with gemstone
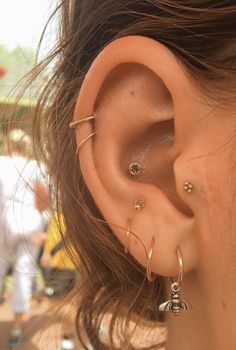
134	168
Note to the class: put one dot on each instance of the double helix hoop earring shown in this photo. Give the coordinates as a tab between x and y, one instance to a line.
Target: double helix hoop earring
176	304
75	124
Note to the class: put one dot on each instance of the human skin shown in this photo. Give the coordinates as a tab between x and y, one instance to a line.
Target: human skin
150	111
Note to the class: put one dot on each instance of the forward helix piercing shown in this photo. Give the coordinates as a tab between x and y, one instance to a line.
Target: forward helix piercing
73	125
176	304
149	274
188	186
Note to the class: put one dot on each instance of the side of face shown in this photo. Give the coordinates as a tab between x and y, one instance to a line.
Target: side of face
149	111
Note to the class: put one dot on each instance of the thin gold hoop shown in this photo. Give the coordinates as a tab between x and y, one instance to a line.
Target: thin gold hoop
82	142
127	241
74	124
150	275
181	265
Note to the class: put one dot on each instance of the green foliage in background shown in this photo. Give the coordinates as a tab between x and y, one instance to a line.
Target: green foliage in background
17	63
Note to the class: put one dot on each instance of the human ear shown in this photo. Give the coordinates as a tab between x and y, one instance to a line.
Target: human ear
141	98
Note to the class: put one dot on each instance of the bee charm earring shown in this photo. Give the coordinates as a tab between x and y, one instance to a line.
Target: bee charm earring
176	304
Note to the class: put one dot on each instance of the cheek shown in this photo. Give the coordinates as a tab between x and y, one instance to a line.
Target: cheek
214	212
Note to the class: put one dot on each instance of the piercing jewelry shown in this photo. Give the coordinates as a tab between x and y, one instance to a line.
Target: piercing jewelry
127	241
82	142
73	125
139	205
188	187
134	169
176	304
149	274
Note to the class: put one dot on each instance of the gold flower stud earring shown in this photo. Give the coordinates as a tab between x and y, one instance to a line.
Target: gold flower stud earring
188	186
139	204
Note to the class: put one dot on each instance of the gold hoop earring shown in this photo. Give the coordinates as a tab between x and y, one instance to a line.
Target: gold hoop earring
76	123
176	304
150	276
127	241
82	142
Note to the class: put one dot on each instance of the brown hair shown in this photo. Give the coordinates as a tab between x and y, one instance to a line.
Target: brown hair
201	33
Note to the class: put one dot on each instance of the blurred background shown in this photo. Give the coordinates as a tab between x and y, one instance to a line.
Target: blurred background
21	26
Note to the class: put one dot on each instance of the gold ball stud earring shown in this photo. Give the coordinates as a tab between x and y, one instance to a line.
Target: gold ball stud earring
134	169
188	186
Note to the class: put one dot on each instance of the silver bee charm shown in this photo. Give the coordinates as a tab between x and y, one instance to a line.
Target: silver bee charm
175	304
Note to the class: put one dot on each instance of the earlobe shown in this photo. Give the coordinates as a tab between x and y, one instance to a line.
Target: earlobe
134	97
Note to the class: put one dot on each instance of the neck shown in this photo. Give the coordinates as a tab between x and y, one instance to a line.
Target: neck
209	324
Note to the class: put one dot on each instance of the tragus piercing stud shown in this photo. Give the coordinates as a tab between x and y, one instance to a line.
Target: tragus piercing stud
82	142
188	186
134	169
149	274
76	123
139	205
176	304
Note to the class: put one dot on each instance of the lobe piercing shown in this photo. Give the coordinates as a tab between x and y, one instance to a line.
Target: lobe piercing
127	241
188	186
176	304
139	205
134	169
